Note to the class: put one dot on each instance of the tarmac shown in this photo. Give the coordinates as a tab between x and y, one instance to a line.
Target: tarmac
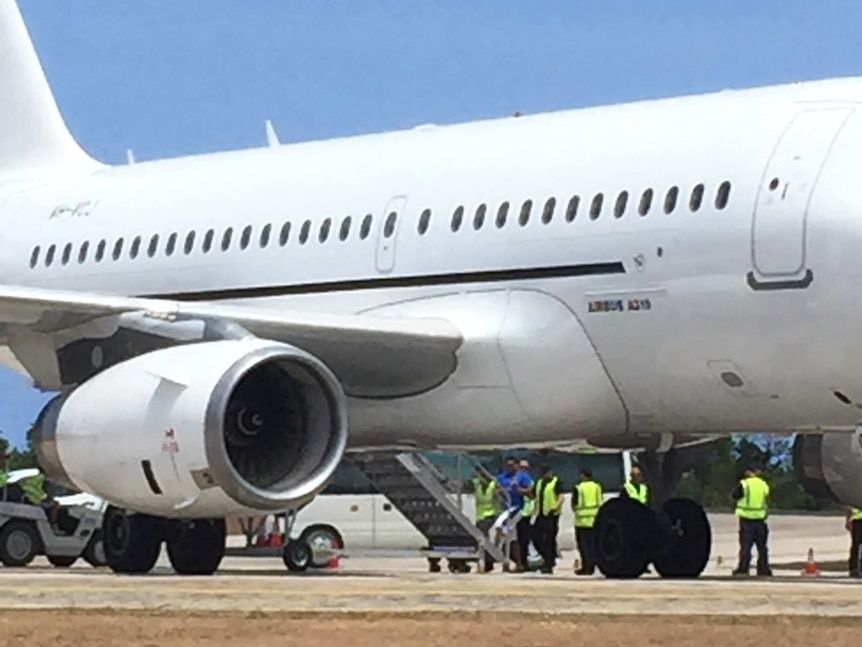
374	583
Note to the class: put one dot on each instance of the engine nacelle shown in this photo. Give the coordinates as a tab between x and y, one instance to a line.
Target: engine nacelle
829	466
200	430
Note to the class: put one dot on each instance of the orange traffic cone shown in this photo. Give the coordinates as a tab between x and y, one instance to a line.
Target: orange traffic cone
335	560
810	569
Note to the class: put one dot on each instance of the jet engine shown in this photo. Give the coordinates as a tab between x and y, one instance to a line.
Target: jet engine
200	430
829	466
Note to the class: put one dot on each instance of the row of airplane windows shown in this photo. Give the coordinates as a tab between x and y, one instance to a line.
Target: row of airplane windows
100	251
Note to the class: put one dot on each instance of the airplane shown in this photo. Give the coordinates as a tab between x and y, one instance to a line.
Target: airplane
221	329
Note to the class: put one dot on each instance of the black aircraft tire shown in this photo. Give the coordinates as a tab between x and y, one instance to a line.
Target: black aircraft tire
688	553
197	547
296	556
132	541
623	538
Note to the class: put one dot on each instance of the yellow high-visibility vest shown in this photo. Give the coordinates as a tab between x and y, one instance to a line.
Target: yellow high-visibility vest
34	488
637	493
589	502
548	504
753	504
486	505
855	514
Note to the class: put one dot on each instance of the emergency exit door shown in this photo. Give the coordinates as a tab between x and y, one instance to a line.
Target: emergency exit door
387	235
781	210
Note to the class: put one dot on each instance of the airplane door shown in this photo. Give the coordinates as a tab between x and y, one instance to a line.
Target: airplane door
388	233
780	213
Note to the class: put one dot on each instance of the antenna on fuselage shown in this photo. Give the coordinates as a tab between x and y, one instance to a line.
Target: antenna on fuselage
271	137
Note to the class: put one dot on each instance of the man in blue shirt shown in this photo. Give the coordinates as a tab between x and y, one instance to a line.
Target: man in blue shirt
515	483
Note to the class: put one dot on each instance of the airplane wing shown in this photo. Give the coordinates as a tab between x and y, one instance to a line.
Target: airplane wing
372	356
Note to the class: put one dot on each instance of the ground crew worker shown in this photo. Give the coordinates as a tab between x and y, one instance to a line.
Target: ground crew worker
35	494
586	501
635	488
487	509
524	528
548	504
752	508
854	526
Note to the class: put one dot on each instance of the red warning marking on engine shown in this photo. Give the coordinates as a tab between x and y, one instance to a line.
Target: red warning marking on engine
170	444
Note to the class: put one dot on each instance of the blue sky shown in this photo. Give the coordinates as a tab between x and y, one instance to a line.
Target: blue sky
169	78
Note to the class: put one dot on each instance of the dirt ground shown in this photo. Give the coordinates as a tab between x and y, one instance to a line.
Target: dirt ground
163	629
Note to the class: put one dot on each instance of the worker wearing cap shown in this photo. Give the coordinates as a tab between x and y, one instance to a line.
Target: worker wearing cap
854	526
548	504
752	508
586	501
635	488
487	507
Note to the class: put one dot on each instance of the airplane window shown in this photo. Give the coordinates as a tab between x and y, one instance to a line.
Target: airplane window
82	253
670	199
171	247
389	227
245	239
548	212
722	196
457	218
646	202
225	239
502	214
424	221
696	198
135	249
479	218
620	206
365	229
118	249
154	243
284	235
524	218
303	233
345	228
67	253
325	226
34	257
572	209
596	206
265	234
49	257
100	250
190	243
208	240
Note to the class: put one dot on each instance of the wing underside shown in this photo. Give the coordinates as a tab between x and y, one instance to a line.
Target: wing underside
50	332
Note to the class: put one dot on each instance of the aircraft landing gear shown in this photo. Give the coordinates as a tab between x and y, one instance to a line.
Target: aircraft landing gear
196	547
674	534
132	541
629	536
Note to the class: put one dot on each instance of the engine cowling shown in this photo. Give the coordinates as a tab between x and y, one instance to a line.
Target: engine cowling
829	466
203	429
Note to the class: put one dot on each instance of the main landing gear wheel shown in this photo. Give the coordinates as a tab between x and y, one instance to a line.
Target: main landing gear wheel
324	541
688	540
623	538
19	543
132	541
94	552
197	547
61	561
296	555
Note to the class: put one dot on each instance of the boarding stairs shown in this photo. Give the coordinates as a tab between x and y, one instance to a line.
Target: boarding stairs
427	499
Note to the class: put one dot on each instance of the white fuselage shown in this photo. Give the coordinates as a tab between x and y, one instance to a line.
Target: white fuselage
547	357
